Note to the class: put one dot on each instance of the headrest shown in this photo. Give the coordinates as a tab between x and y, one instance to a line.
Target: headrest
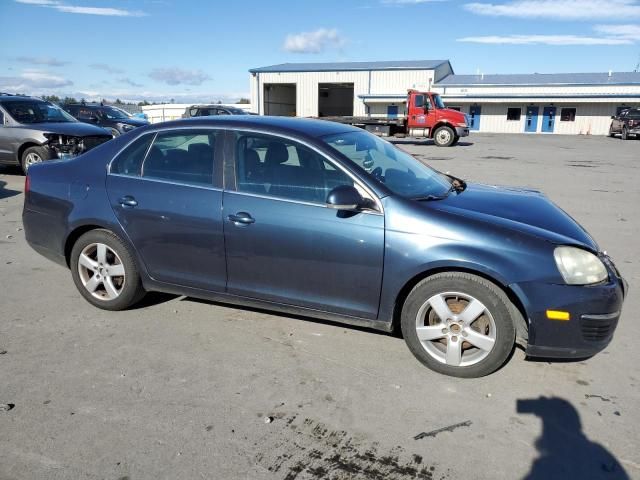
277	153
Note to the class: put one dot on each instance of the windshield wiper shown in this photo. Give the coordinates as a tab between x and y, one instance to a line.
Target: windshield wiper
431	197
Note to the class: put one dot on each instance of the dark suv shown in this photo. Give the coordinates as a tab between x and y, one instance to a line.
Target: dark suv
112	119
626	123
208	110
32	130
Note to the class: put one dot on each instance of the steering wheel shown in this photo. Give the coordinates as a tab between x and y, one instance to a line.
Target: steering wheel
377	174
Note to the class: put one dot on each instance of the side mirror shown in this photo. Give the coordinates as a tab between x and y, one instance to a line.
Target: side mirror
613	117
345	197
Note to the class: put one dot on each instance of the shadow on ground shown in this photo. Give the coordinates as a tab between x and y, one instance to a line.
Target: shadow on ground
564	450
5	192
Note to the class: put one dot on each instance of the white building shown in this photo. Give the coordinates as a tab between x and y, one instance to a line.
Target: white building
347	89
565	103
573	103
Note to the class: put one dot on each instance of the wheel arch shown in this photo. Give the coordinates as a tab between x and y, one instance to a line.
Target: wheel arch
73	237
442	123
518	311
23	147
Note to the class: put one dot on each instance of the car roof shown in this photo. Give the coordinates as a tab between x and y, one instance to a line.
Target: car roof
293	125
19	98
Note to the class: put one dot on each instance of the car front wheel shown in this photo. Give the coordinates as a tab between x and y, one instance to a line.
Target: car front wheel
458	324
33	155
105	272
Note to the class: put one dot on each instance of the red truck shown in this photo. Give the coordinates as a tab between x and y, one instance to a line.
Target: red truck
427	117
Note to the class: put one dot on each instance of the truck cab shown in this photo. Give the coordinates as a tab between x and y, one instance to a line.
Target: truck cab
428	117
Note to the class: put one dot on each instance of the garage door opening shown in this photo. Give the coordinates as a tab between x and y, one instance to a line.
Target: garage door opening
335	99
280	99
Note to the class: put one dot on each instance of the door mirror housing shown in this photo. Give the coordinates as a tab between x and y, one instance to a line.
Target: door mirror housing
613	117
345	197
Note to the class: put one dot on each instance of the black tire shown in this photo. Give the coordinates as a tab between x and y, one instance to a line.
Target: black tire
444	136
42	153
455	141
625	134
131	290
611	132
490	295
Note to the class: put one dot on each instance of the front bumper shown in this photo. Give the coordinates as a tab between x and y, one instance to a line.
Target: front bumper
594	314
462	131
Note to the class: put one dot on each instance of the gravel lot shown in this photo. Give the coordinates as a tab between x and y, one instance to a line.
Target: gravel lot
181	388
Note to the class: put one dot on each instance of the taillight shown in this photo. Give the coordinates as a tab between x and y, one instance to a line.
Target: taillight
27	183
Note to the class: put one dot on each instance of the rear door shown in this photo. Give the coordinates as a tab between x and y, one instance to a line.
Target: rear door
165	189
284	245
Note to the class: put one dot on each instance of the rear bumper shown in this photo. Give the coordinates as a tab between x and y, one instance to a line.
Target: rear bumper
462	131
594	313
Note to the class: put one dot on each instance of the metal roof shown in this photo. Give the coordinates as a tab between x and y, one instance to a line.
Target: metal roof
352	66
603	78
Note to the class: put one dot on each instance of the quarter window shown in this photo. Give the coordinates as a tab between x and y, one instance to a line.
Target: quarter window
281	168
186	156
130	159
568	115
513	113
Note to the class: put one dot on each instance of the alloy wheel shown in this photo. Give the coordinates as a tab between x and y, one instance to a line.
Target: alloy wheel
456	329
101	271
30	159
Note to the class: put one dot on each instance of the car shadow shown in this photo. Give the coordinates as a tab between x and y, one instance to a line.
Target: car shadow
425	143
287	315
564	450
5	192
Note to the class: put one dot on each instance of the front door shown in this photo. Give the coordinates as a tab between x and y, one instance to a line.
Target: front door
531	121
392	111
284	245
474	117
170	205
548	119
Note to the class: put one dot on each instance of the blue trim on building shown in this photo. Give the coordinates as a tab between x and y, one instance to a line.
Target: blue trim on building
352	66
541	79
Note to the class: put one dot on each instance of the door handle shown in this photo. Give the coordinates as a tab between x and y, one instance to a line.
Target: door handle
128	201
241	218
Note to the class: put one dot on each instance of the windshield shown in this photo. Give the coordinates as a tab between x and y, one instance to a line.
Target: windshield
236	111
113	113
438	101
398	171
36	112
634	114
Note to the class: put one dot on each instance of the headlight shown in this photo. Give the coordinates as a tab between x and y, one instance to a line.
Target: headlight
579	267
126	127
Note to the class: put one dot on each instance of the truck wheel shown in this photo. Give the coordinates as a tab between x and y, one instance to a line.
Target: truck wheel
444	136
458	324
455	140
34	155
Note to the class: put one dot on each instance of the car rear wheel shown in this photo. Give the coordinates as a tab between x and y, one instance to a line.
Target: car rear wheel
444	136
104	271
33	155
458	324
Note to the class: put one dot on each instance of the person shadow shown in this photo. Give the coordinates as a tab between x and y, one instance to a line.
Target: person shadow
565	451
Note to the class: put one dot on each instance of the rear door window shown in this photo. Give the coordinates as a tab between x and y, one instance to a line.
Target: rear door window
129	161
184	156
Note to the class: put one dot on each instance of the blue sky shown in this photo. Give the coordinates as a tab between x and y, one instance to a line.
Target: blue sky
201	50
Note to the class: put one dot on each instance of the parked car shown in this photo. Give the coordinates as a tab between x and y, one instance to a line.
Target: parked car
209	110
326	220
32	130
113	119
626	123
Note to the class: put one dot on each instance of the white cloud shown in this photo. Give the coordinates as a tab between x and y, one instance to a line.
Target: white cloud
33	80
84	10
545	40
48	61
630	32
314	42
106	68
559	9
177	76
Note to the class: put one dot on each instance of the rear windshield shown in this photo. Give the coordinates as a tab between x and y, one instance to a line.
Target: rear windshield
635	114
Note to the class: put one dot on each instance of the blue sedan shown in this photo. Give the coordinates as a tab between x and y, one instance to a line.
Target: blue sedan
327	221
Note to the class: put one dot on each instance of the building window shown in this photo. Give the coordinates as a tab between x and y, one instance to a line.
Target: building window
568	115
514	113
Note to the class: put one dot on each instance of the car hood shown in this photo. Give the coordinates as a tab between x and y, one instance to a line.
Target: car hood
528	211
136	122
77	129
